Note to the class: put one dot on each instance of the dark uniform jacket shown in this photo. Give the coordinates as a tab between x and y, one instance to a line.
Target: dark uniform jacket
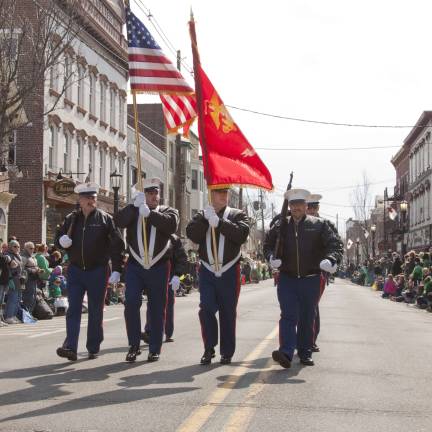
164	220
305	245
235	229
179	258
95	240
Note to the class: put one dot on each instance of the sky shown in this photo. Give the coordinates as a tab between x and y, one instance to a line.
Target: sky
336	61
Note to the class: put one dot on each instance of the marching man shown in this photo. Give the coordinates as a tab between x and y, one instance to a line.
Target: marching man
313	206
219	286
309	246
154	276
90	239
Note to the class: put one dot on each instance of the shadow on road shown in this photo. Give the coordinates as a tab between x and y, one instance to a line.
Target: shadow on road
278	376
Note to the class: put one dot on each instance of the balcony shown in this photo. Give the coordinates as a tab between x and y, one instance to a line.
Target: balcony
105	23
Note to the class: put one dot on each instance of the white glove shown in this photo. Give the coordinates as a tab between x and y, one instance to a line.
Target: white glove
209	212
175	283
139	199
114	278
214	221
144	210
327	266
65	241
275	263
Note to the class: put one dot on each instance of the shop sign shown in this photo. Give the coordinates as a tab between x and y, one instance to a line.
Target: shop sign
64	187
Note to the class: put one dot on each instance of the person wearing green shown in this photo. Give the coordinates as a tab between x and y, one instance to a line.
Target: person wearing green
42	262
417	273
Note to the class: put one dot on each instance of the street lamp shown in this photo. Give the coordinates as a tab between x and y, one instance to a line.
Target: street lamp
373	230
403	209
115	181
357	251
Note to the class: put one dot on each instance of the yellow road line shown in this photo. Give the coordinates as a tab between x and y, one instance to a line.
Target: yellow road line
241	417
199	417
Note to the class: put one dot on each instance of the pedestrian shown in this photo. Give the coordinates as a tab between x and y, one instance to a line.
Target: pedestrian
5	262
91	240
16	283
152	275
390	288
219	286
309	247
32	276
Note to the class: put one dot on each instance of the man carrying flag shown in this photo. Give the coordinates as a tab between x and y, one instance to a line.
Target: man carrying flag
219	285
219	230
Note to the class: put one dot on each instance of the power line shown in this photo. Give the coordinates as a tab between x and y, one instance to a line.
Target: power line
326	149
359	125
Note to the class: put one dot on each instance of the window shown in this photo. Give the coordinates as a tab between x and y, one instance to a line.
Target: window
92	94
68	78
171	155
102	101
91	166
112	163
102	167
171	197
80	99
121	171
194	179
201	181
66	153
11	158
79	165
121	115
9	44
112	107
52	147
54	77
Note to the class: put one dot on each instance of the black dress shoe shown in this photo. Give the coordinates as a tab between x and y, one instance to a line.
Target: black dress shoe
169	339
134	351
225	360
315	348
207	356
307	361
67	353
281	358
92	356
152	357
145	336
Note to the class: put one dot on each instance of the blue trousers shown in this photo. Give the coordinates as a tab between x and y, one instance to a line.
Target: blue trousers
219	294
13	303
94	282
169	316
155	280
298	300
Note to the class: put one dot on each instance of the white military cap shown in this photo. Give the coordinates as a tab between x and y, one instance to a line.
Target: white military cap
297	195
314	199
150	184
89	188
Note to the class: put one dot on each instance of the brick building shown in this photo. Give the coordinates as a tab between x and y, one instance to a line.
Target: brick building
85	136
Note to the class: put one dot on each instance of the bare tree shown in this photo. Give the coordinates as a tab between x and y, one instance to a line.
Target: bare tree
361	201
34	36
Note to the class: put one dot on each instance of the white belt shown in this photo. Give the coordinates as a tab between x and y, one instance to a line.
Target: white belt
224	268
153	260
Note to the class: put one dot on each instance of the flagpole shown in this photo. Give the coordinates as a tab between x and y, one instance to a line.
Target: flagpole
139	180
198	95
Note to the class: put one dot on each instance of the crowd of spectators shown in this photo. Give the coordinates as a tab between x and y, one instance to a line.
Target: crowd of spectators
402	279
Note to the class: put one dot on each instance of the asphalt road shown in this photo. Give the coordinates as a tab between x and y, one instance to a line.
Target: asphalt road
373	373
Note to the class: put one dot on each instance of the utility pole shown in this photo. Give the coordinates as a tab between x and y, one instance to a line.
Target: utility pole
262	221
337	222
241	198
272	206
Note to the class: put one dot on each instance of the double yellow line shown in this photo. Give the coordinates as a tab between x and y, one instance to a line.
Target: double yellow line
241	417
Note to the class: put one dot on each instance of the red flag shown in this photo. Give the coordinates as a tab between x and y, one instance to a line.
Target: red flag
228	157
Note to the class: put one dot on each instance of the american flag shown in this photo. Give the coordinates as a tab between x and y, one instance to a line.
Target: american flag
149	69
179	111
